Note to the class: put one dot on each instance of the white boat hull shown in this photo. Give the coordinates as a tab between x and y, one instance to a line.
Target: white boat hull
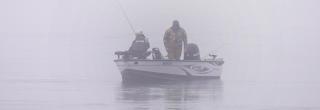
168	69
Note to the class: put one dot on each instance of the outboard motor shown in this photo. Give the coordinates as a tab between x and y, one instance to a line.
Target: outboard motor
192	52
156	54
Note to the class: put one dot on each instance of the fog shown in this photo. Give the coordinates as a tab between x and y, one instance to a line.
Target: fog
271	41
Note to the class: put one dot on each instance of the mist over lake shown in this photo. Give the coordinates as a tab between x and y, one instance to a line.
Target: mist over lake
58	54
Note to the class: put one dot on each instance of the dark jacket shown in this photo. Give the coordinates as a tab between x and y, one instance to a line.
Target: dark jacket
139	47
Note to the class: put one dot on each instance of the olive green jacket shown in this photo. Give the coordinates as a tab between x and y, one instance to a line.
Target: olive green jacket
175	38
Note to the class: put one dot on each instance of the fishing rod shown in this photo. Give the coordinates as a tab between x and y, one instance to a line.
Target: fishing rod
125	15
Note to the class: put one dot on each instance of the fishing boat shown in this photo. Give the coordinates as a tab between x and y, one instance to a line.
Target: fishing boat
158	68
165	69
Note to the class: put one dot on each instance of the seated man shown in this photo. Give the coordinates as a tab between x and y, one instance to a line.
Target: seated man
139	47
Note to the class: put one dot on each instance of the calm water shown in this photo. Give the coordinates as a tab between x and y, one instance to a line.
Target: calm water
89	94
84	77
89	80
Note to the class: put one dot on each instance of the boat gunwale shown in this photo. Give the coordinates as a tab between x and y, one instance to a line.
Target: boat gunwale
166	60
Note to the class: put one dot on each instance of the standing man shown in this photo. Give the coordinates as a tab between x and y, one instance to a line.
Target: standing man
173	40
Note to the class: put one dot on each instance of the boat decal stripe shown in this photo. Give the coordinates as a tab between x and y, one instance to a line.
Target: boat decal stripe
186	71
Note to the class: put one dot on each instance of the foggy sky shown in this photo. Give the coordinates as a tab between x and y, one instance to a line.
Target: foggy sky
263	39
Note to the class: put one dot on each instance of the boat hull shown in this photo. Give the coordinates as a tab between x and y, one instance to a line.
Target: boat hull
159	70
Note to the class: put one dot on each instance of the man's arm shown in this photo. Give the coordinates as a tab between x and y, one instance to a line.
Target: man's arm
166	38
130	49
185	39
147	42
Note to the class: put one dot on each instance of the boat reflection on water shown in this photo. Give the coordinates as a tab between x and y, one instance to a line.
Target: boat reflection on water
170	95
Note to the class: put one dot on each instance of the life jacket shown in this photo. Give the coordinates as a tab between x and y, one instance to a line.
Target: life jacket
139	47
